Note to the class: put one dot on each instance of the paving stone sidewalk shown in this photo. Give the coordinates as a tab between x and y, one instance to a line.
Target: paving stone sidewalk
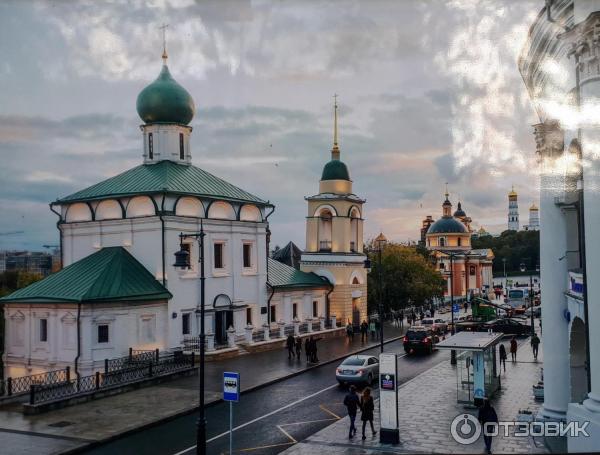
427	406
79	425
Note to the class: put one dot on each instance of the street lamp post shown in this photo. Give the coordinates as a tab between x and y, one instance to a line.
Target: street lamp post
182	260
380	242
523	268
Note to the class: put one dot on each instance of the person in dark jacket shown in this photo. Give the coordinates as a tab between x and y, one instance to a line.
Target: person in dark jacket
513	349
290	344
367	407
298	347
350	331
364	329
352	403
487	414
535	345
308	348
313	357
502	352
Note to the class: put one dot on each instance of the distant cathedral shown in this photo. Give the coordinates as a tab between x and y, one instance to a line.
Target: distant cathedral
513	214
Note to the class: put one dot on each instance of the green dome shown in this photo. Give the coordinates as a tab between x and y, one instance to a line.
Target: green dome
165	101
447	225
335	170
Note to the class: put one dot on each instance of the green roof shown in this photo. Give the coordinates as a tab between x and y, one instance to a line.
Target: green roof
284	276
111	274
335	170
164	176
165	101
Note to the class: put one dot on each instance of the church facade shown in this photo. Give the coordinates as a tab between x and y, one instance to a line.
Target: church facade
119	288
466	270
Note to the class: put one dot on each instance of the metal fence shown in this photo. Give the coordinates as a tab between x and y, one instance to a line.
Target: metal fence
128	373
16	386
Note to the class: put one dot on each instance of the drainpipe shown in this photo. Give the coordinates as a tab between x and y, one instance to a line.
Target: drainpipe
327	305
163	241
78	342
268	251
60	233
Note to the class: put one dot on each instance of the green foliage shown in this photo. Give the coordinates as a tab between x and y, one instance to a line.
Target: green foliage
12	280
515	247
408	278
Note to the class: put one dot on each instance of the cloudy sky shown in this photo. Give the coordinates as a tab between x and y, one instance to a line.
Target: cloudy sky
429	93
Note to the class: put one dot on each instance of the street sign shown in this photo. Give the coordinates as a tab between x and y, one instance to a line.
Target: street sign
455	308
388	399
231	386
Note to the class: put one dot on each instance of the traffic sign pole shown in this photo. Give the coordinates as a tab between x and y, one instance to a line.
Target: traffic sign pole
231	393
230	427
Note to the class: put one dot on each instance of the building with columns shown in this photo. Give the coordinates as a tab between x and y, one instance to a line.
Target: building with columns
565	36
334	239
466	271
513	210
119	288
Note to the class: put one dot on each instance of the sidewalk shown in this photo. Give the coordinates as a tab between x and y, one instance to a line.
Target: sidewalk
427	406
102	419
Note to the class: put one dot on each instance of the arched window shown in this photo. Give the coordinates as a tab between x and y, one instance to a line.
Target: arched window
325	230
150	147
354	218
442	241
181	150
355	281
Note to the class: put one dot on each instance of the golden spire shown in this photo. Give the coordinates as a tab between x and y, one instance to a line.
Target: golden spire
513	192
163	27
335	151
446	193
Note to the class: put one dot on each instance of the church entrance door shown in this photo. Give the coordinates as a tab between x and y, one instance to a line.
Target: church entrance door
356	312
223	320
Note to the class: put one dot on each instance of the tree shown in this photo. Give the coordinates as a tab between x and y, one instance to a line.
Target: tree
515	247
408	278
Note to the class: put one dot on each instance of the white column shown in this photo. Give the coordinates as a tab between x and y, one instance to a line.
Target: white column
553	270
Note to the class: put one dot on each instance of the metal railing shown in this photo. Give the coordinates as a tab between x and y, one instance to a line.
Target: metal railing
129	373
16	386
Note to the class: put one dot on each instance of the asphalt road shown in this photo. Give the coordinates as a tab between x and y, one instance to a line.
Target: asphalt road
266	421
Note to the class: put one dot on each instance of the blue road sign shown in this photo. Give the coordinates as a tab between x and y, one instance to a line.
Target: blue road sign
455	308
231	386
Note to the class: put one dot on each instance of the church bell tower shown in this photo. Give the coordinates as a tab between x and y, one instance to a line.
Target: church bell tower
334	238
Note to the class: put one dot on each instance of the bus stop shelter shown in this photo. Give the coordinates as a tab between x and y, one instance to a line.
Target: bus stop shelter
477	372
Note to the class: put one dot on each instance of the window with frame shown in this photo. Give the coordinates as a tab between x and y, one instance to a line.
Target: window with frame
248	316
185	323
472	270
294	310
273	314
103	333
150	146
181	147
43	330
247	255
315	308
219	260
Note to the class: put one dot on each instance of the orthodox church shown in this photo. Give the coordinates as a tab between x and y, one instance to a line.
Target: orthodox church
119	288
466	271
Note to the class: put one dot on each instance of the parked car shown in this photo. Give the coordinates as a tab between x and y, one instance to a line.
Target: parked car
358	369
468	326
508	326
438	325
537	312
420	339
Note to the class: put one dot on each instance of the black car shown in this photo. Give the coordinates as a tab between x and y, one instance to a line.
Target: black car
507	326
419	339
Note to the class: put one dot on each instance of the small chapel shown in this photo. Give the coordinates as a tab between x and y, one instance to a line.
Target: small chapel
119	289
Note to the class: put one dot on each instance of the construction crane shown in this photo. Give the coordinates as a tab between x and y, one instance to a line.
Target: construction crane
12	232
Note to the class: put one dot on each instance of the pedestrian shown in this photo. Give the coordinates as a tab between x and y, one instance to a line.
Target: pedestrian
487	414
298	347
367	407
349	331
372	329
421	314
466	305
364	328
540	325
502	352
401	317
513	349
377	330
352	403
307	348
535	344
290	344
408	320
314	357
432	311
